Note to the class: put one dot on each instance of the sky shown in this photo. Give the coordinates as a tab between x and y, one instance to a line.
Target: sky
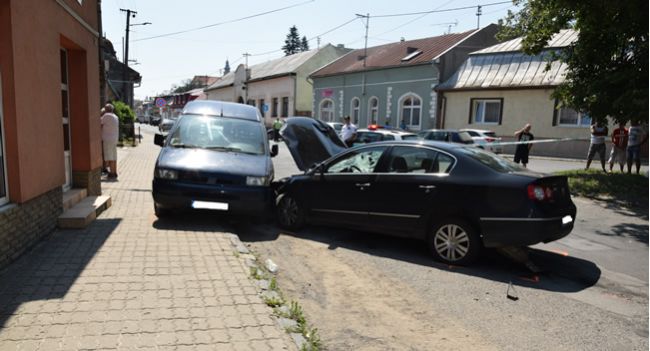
170	59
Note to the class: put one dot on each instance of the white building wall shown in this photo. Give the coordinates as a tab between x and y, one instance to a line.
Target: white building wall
273	88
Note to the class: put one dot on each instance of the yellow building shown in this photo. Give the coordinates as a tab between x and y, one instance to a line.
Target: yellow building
501	89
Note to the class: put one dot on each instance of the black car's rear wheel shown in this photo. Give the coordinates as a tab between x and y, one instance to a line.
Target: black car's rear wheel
454	241
290	214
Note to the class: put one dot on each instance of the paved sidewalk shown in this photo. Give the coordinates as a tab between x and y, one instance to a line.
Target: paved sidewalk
131	282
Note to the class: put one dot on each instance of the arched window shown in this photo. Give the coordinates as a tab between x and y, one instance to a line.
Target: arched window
373	110
355	105
411	111
327	110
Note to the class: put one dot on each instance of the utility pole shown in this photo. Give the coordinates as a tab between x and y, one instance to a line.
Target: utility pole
365	56
125	73
246	55
479	12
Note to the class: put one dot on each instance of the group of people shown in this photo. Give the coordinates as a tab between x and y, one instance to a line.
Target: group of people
626	145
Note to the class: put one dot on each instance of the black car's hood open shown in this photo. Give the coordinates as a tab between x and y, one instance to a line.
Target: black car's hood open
310	141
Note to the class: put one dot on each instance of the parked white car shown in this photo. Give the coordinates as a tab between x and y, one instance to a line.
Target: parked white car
336	125
371	135
483	138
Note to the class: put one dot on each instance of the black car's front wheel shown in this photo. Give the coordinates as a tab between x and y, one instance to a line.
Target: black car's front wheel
454	241
290	214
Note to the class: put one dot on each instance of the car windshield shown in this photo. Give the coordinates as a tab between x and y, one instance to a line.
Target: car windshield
219	133
491	160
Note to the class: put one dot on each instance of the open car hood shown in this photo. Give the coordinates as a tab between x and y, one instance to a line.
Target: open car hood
310	141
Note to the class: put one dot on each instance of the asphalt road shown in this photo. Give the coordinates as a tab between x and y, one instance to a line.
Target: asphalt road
369	292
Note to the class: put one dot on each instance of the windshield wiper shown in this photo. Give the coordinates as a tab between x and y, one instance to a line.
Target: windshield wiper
184	146
224	148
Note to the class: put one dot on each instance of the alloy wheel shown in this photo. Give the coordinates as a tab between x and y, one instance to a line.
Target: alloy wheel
451	242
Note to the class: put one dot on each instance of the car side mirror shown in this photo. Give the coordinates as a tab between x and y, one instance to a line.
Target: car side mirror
274	150
159	139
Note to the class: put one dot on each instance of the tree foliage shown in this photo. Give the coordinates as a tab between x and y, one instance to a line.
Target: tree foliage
186	85
607	67
293	44
123	112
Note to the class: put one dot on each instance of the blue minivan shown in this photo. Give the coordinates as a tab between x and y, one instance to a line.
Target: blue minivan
215	157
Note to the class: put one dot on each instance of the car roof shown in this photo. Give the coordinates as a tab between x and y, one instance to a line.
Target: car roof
476	130
385	131
222	109
419	142
441	130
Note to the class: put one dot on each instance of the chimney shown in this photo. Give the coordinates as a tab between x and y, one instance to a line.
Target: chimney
340	46
401	40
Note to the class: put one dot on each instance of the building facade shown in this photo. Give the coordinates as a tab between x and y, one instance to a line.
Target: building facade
280	87
50	138
393	83
501	89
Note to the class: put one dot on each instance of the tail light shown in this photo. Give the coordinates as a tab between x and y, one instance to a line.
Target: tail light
540	193
489	140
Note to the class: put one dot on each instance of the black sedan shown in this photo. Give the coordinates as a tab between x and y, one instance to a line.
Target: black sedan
458	198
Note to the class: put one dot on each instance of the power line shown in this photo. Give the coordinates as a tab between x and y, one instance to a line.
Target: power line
310	39
443	10
226	22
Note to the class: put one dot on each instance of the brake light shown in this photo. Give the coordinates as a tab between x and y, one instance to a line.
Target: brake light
373	127
539	192
489	140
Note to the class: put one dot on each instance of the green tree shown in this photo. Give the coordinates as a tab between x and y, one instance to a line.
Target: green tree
304	44
607	67
292	44
123	112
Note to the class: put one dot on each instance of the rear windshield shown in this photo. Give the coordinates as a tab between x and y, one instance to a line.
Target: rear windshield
490	134
463	137
410	137
472	133
491	160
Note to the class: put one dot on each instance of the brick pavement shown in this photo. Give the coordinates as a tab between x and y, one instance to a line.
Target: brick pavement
131	282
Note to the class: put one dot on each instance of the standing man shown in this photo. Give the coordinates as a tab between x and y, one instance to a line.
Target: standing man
348	132
619	142
522	151
277	125
598	133
110	135
636	138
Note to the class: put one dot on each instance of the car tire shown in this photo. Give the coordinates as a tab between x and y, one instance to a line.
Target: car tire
290	214
161	212
454	241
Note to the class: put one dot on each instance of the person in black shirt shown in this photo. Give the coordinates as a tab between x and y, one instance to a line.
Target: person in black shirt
521	153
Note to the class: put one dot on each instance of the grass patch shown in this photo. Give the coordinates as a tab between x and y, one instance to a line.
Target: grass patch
630	190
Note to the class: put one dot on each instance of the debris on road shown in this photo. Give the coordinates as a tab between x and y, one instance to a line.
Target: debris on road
511	293
271	266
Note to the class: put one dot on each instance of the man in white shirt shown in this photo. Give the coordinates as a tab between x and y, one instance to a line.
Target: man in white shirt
598	133
110	135
348	132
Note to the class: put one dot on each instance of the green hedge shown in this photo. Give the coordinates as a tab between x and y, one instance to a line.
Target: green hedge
124	112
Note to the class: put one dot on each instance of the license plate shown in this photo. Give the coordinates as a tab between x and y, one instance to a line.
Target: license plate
207	205
567	219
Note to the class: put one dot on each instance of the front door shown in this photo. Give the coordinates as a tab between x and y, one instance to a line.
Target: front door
344	188
65	114
405	194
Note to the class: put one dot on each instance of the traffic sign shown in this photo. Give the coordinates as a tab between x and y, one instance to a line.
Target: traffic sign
160	102
265	108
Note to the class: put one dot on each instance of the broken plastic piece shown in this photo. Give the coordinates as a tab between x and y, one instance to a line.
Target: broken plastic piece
511	293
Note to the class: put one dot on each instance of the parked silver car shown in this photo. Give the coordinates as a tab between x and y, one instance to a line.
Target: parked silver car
484	138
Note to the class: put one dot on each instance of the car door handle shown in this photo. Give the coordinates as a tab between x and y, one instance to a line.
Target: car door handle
427	188
362	185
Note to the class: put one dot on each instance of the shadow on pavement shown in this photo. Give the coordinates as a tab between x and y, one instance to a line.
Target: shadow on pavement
638	232
51	267
559	273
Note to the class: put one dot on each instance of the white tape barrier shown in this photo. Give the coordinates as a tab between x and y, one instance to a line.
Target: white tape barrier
535	141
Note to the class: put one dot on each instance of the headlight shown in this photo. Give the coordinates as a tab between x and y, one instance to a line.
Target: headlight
166	174
257	181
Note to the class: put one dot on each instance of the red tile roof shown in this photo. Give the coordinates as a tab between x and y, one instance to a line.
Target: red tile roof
391	55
